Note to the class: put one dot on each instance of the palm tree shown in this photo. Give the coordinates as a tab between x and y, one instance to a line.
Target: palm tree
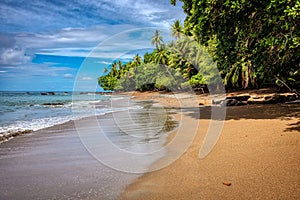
147	58
157	39
137	60
161	57
189	70
105	70
120	69
240	75
176	29
120	65
113	69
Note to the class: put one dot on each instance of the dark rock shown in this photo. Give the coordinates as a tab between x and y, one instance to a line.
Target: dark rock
243	97
232	102
53	104
47	93
13	134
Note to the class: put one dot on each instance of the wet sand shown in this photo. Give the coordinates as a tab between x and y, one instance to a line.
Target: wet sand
256	157
53	163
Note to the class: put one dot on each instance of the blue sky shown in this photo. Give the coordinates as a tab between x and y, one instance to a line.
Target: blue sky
47	45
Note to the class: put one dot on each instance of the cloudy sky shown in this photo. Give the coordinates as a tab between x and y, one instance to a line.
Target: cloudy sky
48	44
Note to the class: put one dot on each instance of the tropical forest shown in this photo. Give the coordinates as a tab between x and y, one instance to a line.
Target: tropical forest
252	44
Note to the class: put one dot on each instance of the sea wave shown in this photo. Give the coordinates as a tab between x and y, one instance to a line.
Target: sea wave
11	130
22	113
25	126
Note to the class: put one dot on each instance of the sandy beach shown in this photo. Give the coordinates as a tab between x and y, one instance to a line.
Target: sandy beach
149	100
256	157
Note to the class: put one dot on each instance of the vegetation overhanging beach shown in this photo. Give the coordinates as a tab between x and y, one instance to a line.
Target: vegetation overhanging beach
247	52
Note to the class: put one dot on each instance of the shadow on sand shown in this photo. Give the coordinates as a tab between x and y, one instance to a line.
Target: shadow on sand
266	111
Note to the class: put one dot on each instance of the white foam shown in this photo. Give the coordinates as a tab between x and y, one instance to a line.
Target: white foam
35	124
79	109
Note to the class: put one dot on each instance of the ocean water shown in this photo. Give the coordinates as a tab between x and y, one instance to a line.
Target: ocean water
21	111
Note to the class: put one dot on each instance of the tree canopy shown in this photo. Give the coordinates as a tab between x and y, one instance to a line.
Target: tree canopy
256	42
253	43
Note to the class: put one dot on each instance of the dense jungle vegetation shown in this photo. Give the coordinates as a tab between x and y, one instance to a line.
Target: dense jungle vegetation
252	43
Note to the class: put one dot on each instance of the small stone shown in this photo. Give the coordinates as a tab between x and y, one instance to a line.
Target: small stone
227	183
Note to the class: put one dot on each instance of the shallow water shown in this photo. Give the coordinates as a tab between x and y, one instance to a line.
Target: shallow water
21	111
55	163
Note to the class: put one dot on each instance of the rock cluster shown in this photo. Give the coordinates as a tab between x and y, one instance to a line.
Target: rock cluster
9	135
243	99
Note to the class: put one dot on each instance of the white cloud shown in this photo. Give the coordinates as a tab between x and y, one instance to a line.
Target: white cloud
104	62
53	28
10	52
13	56
146	12
68	37
56	14
86	78
79	52
113	47
68	76
75	28
31	70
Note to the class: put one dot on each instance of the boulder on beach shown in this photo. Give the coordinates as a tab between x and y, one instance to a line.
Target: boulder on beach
272	98
232	102
242	97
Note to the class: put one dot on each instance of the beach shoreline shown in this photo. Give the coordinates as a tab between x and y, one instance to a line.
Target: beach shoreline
257	156
56	163
53	163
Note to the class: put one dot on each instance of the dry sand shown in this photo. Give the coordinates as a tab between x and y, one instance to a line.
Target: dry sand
256	157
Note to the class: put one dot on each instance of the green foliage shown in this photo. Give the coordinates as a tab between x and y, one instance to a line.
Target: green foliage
107	82
144	77
179	64
254	41
197	81
176	29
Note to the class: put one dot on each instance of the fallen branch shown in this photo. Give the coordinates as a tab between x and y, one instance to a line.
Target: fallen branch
286	85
